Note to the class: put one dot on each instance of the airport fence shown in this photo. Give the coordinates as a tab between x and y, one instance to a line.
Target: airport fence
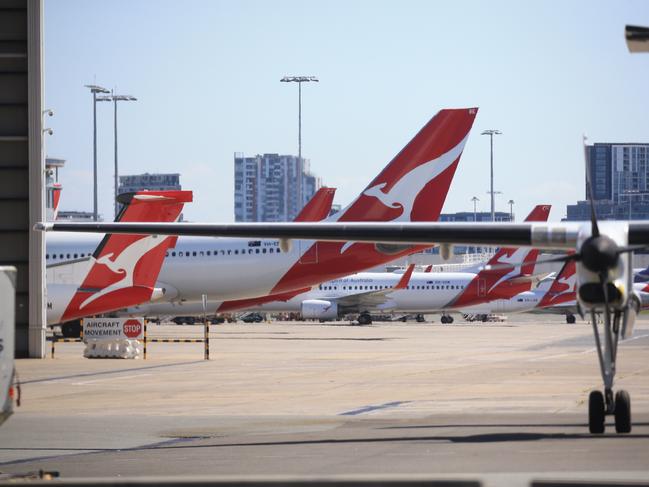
146	340
205	340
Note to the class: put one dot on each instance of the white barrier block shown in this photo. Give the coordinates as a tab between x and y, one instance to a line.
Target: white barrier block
120	348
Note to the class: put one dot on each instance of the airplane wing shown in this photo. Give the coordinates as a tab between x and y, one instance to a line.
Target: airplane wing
372	299
552	235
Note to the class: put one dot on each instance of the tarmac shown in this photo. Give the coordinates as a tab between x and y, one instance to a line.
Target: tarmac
504	403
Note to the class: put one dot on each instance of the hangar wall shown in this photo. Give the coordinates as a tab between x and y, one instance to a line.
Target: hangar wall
21	166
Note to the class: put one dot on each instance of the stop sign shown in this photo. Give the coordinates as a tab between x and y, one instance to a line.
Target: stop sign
132	328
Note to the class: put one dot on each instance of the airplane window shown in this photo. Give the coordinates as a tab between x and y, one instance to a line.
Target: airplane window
201	253
60	256
263	251
250	251
229	251
194	253
67	256
222	252
166	254
173	254
209	252
256	251
47	256
236	251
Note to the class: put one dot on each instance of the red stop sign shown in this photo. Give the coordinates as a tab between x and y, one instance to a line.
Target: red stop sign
132	328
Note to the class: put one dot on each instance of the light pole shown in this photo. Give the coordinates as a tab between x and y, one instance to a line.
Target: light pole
299	80
94	89
491	133
511	210
115	98
475	200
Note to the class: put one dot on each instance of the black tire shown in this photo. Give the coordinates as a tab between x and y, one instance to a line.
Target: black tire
449	319
420	318
484	318
622	412
443	319
570	319
364	319
71	329
596	412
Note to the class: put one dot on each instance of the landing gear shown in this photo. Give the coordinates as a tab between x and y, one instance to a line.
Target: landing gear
364	319
570	319
447	319
596	412
622	412
602	404
420	318
71	329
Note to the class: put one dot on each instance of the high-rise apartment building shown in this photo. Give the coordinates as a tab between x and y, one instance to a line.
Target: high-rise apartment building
266	187
619	174
152	182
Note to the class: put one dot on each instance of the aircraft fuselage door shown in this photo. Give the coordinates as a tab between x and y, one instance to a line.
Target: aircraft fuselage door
482	287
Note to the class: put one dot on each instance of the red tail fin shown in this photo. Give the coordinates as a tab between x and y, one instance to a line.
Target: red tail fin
126	267
318	207
405	278
414	185
563	288
540	213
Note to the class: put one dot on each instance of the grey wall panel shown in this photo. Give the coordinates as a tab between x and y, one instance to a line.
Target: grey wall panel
13	153
14	247
13	119
13	24
14	183
15	214
13	88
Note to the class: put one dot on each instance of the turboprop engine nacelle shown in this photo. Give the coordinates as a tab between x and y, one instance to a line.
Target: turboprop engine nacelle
618	274
319	309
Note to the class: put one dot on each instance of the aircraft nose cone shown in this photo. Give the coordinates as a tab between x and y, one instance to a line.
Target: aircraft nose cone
599	253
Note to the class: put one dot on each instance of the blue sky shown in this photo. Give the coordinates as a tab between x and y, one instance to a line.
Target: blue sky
206	74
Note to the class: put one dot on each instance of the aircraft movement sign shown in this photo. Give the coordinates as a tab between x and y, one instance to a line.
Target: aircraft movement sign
113	328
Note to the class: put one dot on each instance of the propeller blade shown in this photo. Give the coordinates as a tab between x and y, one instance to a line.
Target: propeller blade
631	248
594	228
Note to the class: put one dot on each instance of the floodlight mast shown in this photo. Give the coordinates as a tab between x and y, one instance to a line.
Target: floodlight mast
299	80
94	89
491	133
115	98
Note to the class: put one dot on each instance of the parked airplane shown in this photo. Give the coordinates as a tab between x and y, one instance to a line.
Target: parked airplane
366	292
412	187
121	271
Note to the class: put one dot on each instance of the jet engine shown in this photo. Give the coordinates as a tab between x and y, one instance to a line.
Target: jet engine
319	309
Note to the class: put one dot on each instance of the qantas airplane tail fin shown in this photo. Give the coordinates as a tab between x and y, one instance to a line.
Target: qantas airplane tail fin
539	213
413	186
124	268
563	287
318	207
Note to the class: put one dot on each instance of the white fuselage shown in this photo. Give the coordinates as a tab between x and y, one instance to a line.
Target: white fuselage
221	268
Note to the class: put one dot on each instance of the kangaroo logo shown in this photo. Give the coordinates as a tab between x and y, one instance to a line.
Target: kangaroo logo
124	264
405	191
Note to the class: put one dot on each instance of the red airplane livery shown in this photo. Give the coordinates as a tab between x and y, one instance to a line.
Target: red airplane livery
123	269
412	187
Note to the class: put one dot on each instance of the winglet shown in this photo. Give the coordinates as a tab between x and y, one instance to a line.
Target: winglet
429	268
405	279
